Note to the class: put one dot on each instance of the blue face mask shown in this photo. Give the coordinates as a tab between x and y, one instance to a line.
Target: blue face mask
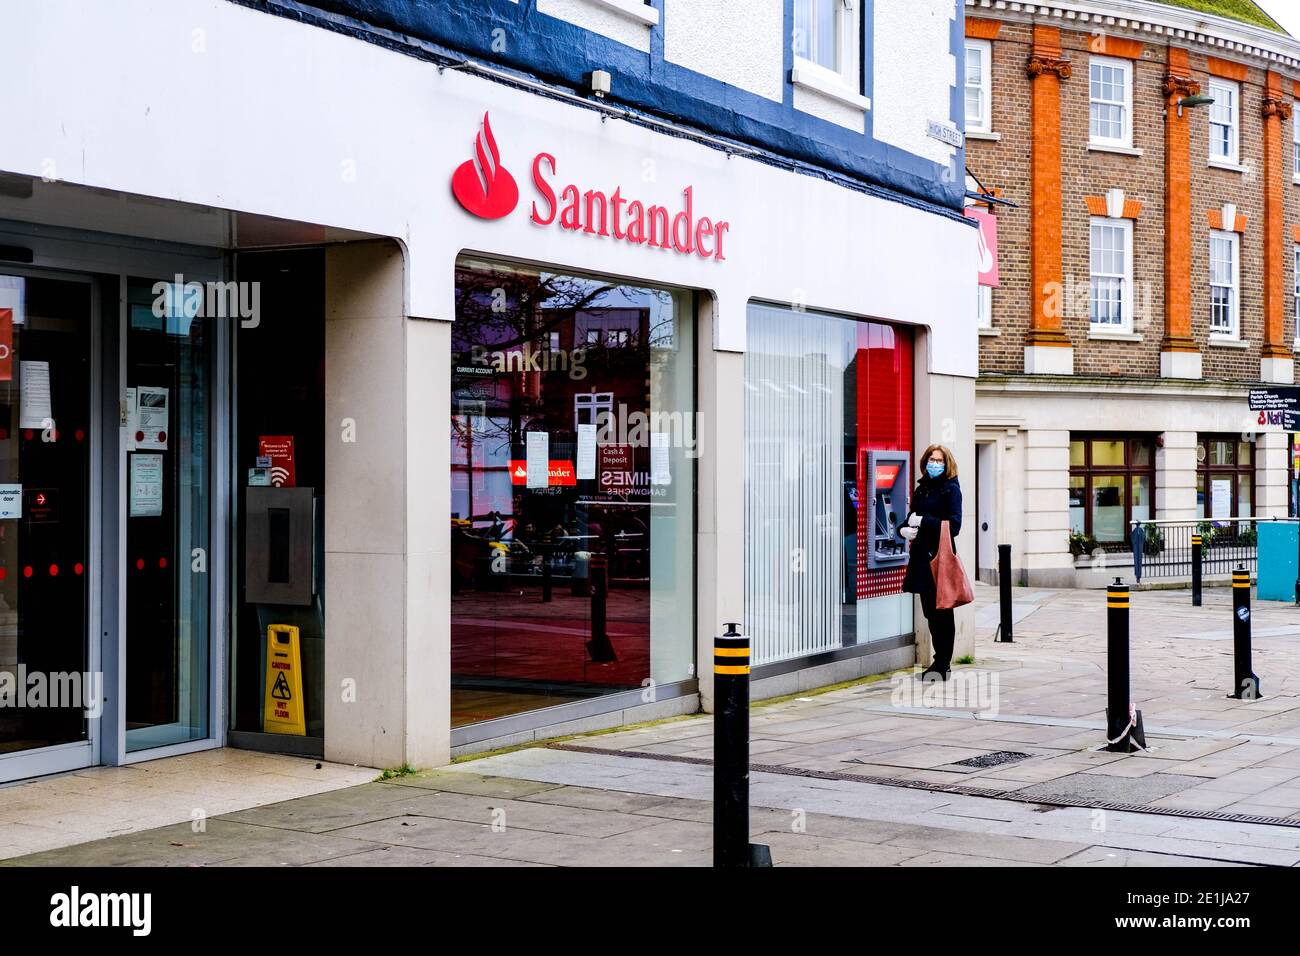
934	468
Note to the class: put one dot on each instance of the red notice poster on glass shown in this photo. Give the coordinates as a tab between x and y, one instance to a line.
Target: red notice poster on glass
6	345
279	448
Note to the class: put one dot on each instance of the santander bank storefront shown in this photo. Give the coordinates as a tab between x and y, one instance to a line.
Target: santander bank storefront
644	425
571	388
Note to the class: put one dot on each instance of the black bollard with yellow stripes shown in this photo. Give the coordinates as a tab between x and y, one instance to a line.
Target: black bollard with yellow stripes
1196	570
731	846
1245	683
1124	732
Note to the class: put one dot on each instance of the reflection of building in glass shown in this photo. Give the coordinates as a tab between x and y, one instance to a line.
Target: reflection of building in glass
554	580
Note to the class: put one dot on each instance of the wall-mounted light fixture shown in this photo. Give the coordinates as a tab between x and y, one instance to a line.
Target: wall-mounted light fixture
1191	102
600	83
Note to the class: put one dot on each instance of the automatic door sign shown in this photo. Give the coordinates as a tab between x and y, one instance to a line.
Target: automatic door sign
283	713
11	501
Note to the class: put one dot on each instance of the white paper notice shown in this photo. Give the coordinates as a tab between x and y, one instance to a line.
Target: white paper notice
586	452
1221	495
146	486
659	470
11	502
538	459
151	418
36	410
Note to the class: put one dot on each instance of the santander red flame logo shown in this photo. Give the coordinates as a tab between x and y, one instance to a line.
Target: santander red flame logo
482	185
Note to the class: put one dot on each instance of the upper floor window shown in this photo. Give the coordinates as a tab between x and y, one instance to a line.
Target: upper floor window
1225	119
817	31
1295	143
979	60
1225	271
984	307
1295	255
1110	92
1111	270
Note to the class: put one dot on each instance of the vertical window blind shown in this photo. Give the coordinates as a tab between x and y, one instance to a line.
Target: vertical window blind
795	394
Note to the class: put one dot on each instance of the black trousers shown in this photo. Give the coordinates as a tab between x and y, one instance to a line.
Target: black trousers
943	631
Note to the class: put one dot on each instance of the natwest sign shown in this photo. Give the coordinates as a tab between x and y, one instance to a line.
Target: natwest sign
485	188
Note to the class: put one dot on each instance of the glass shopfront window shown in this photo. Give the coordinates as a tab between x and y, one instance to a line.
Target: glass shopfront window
1225	477
1112	483
45	441
573	446
828	436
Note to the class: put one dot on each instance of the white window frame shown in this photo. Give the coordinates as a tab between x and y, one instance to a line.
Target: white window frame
588	406
1217	89
843	82
1125	139
983	123
1125	276
1295	289
984	308
1295	142
1233	333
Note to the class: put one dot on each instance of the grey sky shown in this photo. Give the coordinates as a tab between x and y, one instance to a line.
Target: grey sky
1285	12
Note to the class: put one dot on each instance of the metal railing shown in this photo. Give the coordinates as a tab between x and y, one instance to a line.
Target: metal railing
1166	546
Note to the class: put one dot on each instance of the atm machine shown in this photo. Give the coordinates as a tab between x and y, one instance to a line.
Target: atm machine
888	476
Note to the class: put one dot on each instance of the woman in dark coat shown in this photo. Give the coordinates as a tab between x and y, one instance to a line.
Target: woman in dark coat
937	498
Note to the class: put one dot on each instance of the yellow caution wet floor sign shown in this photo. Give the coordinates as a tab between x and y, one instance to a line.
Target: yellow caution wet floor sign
284	713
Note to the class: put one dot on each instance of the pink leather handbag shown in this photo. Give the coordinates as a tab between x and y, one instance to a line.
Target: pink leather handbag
951	586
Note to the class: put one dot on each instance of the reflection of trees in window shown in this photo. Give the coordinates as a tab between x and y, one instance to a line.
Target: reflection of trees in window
504	308
620	333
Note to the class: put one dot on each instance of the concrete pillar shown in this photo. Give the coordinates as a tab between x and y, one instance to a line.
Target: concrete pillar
720	496
427	671
1271	475
1048	562
1176	477
387	475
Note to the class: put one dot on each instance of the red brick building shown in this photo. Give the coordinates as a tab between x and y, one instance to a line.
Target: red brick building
1148	268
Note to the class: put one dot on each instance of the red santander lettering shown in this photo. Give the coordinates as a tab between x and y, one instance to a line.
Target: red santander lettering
612	214
544	188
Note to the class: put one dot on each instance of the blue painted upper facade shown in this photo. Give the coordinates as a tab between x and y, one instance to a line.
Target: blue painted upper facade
562	54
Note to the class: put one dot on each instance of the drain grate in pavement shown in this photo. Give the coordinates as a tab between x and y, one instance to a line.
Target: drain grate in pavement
995	759
1103	787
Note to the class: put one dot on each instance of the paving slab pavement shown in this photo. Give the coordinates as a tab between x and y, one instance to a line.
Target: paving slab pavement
874	773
